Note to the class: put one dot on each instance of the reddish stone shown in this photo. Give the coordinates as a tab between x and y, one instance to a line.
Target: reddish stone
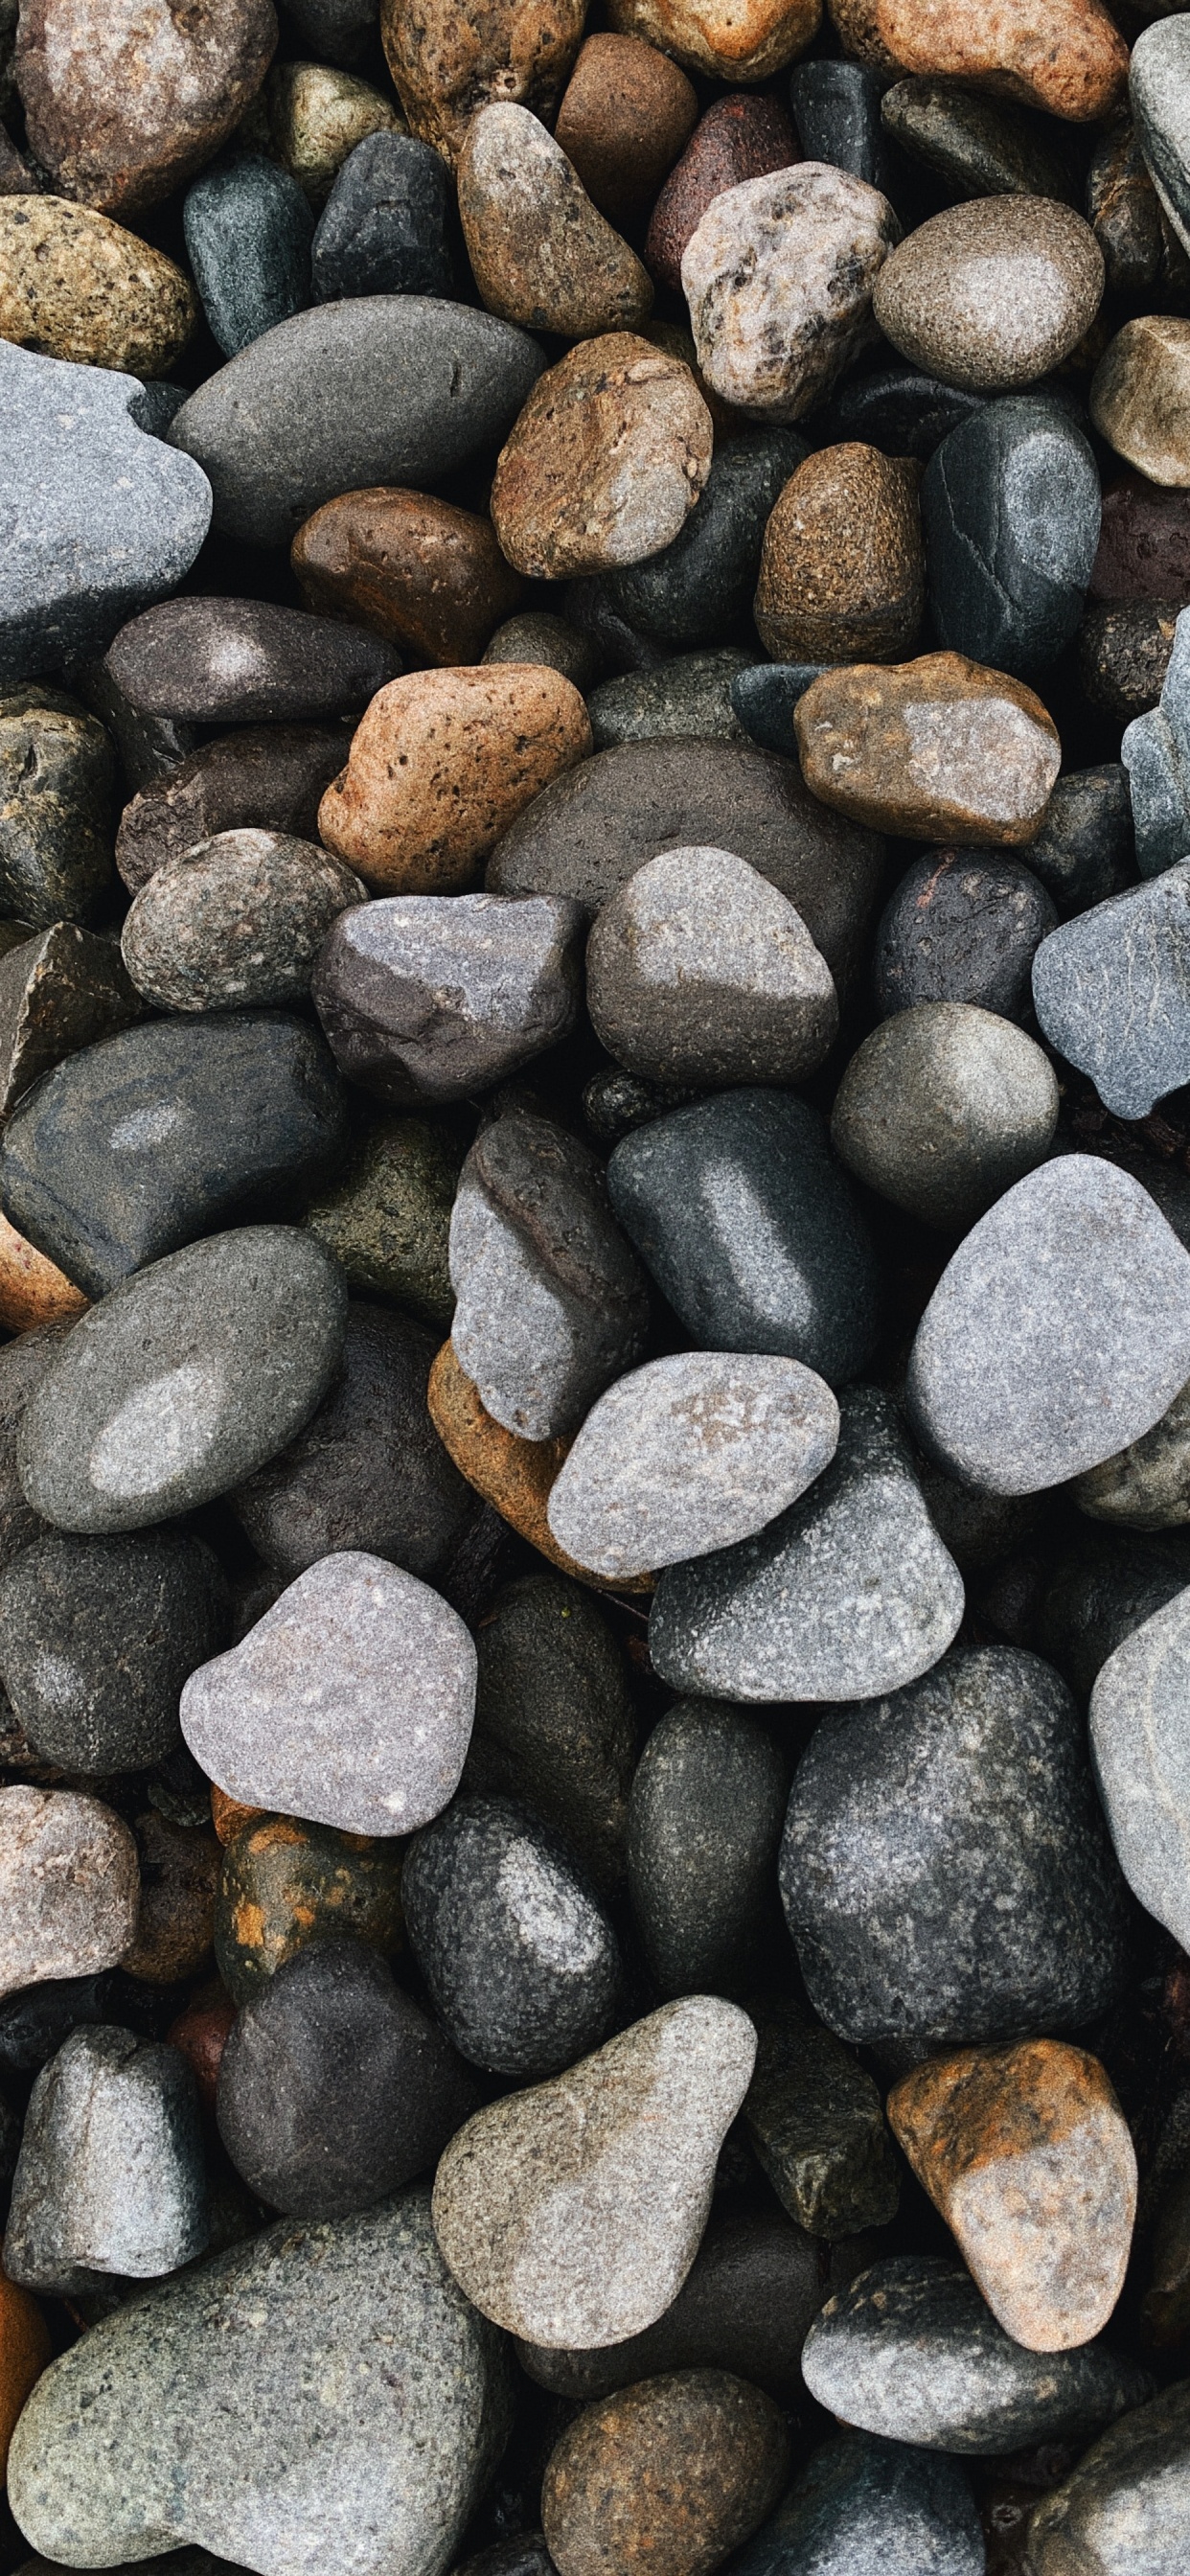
627	113
1144	543
739	138
201	2033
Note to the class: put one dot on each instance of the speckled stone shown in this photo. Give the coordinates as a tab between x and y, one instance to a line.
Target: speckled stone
57	773
698	587
1110	990
992	293
386	1222
111	2174
1140	393
555	1726
862	2500
121	112
671	2475
740	137
264	2343
317	116
688	697
248	233
62	990
962	927
841	573
383	230
259	778
1027	2154
778	277
942	1108
1137	1741
1153	752
1124	211
418	570
427	998
457	54
239	920
932	749
626	115
701	1191
1124	650
71	1886
77	286
98	1636
1085	850
1159	96
540	251
815	2121
704	1821
571	2214
23	1362
1127	2504
287	1886
699	971
211	661
1147	1485
142	1414
1144	543
1066	56
912	2352
945	1872
606	460
1010	507
1059	1331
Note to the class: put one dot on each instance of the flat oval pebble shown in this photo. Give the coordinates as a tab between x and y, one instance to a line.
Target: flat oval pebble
541	253
841	572
120	111
71	1885
933	749
942	1108
608	456
993	293
672	2475
778	276
215	661
76	286
425	998
699	971
418	570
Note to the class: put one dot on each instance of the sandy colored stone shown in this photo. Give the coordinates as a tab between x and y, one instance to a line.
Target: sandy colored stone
992	293
230	1816
25	2350
1027	2154
937	749
442	764
1140	397
571	2213
449	57
32	1289
778	276
317	116
667	2476
841	571
1066	56
723	41
541	252
69	1886
605	463
415	569
123	104
74	285
627	113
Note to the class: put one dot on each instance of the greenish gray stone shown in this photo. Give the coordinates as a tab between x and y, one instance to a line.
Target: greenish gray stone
537	636
690	695
248	231
387	1223
815	2120
942	1108
57	825
1146	1486
111	2175
980	148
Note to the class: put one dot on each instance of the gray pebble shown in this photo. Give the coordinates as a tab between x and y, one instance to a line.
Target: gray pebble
690	695
261	777
1010	507
239	920
704	1822
1138	1743
991	294
555	1725
425	998
59	992
111	2175
764	697
248	231
699	587
942	1108
1112	992
535	635
69	1887
1147	1485
57	774
23	1363
382	230
247	661
1159	93
97	1636
1125	2509
816	2122
863	2504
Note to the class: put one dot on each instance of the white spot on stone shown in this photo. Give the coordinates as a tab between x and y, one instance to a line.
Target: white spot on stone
160	1431
550	1917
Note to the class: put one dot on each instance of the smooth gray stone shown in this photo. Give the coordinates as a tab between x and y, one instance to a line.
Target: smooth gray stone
111	2176
1125	2509
98	518
97	1637
321	2397
849	1594
912	2352
425	998
704	1822
23	1363
247	661
380	389
866	2507
183	1380
1159	89
1112	992
1058	1332
942	1108
1142	1761
764	697
1155	751
248	229
692	695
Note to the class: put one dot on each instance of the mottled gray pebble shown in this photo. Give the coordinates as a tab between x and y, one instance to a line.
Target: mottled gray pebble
778	276
816	2122
111	2175
690	695
239	920
699	971
97	1637
69	1886
425	998
1142	1763
863	2504
1112	992
247	661
1125	2509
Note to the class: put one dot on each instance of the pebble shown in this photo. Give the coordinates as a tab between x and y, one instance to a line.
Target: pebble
1027	2154
427	998
352	1751
33	1291
383	229
458	54
142	1415
932	748
911	2352
1125	213
386	1223
60	990
513	1475
71	1886
862	2499
419	571
979	149
1064	56
704	1822
779	278
841	574
74	285
179	1879
555	1726
702	584
1127	2500
1010	508
1138	397
992	293
1109	990
739	137
57	776
1136	1742
248	234
239	920
520	1961
318	116
205	661
110	2176
1145	1486
541	253
688	697
764	697
334	2089
1124	655
605	461
218	2410
120	112
1085	849
1144	543
836	108
23	1362
912	413
962	927
699	971
26	2346
287	1886
538	636
1153	753
476	746
946	1873
943	1108
1158	89
551	1303
817	2126
571	2214
671	2475
689	1454
377	389
259	778
627	114
98	1636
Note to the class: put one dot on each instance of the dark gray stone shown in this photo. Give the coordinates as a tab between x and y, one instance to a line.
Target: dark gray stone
704	1822
246	661
425	998
764	697
1010	508
555	1726
380	389
240	920
836	109
1125	2509
1124	648
615	1102
863	2504
1099	1590
1156	754
35	2022
521	1962
689	697
97	1636
57	774
536	635
183	1380
978	146
23	1364
816	2123
962	926
336	31
150	747
334	2089
60	991
154	403
111	2175
248	230
1084	851
942	1108
382	230
139	1144
1112	992
265	778
912	2352
696	589
752	1230
1159	88
849	1594
895	407
945	1871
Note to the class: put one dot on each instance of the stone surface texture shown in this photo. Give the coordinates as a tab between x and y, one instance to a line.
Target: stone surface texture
71	1886
427	998
672	2474
778	276
110	2176
77	286
993	293
239	920
120	111
605	461
456	55
841	575
1110	990
699	971
943	1108
936	749
540	251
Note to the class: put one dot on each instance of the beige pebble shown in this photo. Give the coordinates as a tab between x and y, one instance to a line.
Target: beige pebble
69	1886
449	57
541	253
1140	397
317	116
729	40
992	293
1066	56
938	749
75	285
605	463
778	276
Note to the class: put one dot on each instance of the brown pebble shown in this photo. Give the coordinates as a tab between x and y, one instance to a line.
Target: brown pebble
992	293
261	777
668	2477
442	764
515	1476
1027	2154
745	40
74	285
627	114
1140	397
417	570
1144	543
201	2033
449	57
123	104
1066	56
739	138
938	749
32	1289
842	572
179	1875
25	2351
541	253
605	463
1123	653
229	1815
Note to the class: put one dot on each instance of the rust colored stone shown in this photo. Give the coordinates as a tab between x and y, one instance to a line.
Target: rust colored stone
605	463
515	1476
449	57
939	749
627	114
74	285
179	1870
418	571
667	2477
124	104
721	38
842	574
739	138
201	2033
229	1816
1066	56
1144	543
32	1290
1027	2154
25	2350
285	1883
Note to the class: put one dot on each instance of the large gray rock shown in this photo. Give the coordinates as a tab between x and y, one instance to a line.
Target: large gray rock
323	2396
99	518
381	389
425	998
1125	2510
1142	1761
1112	992
111	2175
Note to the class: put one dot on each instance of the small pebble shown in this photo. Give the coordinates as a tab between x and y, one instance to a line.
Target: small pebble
71	1886
457	54
963	926
554	1722
74	285
993	293
541	253
383	229
248	233
427	998
111	2173
626	115
816	2122
699	971
424	574
1110	992
836	108
288	1886
932	748
704	1822
841	574
943	1107
240	920
779	277
318	116
606	460
671	2475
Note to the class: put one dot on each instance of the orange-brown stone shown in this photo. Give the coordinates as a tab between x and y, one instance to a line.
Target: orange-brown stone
229	1815
419	571
1066	56
627	114
32	1290
179	1876
25	2349
939	749
449	57
664	2478
729	40
605	462
842	574
201	2033
441	765
515	1476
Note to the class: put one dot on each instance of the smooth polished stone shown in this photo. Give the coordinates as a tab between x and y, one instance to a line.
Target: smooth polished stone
417	570
937	749
841	570
704	1821
220	661
1010	511
626	115
1137	1746
97	1637
428	998
977	146
993	293
1110	990
605	462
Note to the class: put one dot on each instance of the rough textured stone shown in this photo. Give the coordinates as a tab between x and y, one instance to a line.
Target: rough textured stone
704	1821
1147	1485
962	927
606	460
71	1886
554	1723
427	998
208	661
943	1108
1127	2504
1158	81
992	293
98	1636
57	772
815	2121
1066	56
248	233
23	1363
980	149
841	574
627	114
1110	992
1124	653
1011	508
1144	543
1084	850
456	55
110	2176
428	576
670	2475
1124	212
1139	396
1104	1585
700	971
287	1886
182	1380
121	111
862	2500
317	117
150	747
571	2214
265	778
699	586
933	748
387	1222
239	920
541	253
740	137
1137	1746
60	991
382	230
224	2396
76	286
179	1879
945	1872
778	277
27	2349
690	696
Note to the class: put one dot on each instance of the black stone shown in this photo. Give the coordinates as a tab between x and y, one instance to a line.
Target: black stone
1010	510
765	696
35	2021
704	1822
382	230
701	586
816	2124
336	31
962	926
1102	1588
860	2505
246	661
614	1102
97	1637
1124	649
23	1364
836	109
978	146
555	1726
1085	850
153	405
895	408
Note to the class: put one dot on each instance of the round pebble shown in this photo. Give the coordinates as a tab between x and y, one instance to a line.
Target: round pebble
993	293
943	1108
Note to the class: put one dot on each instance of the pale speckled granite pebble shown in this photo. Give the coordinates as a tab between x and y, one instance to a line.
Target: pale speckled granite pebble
778	277
70	1885
111	2175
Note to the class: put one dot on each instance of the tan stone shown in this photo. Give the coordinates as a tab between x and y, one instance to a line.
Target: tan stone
317	116
605	463
939	749
778	276
69	1886
123	104
32	1289
1140	397
1066	56
449	57
730	40
541	253
1027	2154
414	569
441	765
665	2478
842	573
992	293
513	1475
74	285
627	114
